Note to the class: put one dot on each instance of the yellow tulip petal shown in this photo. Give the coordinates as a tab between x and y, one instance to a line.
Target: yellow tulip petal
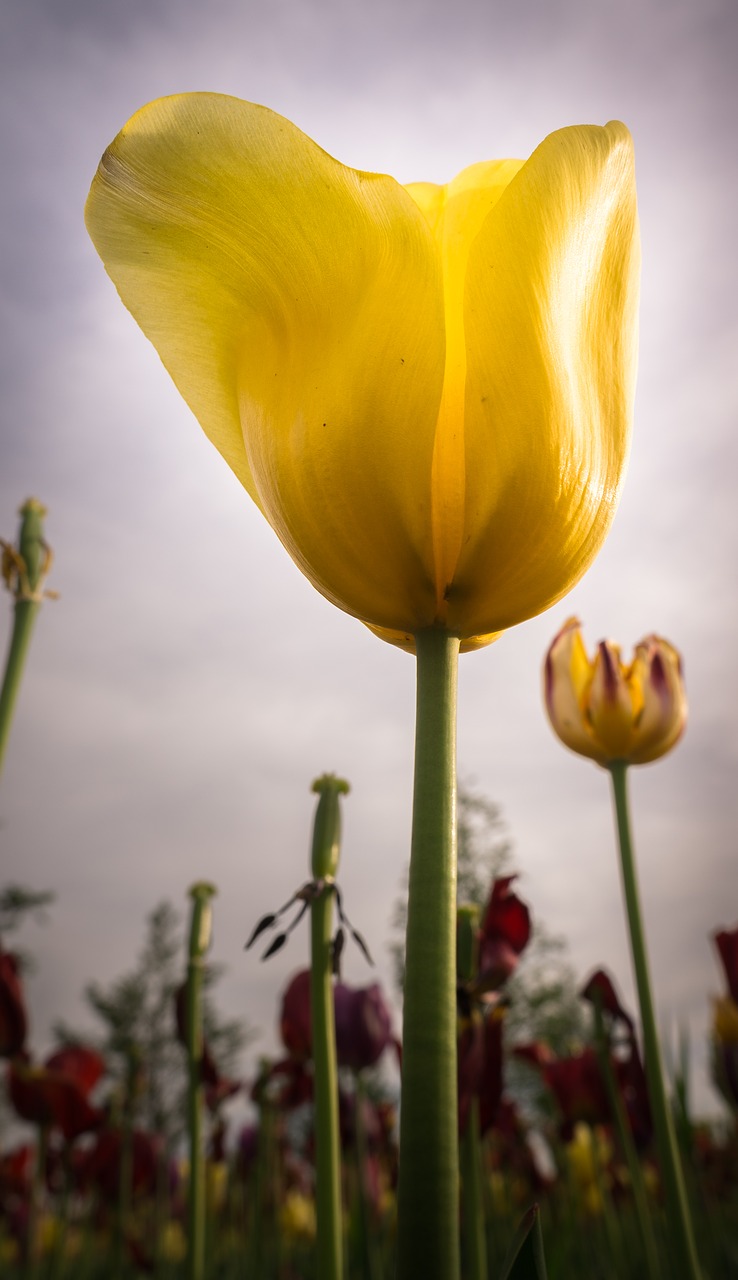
661	723
550	331
298	306
567	679
456	214
610	704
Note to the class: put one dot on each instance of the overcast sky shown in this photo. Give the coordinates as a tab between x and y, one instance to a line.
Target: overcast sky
189	684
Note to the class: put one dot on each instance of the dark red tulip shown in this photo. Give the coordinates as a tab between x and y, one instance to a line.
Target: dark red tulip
363	1022
363	1025
285	1085
100	1165
726	941
86	1067
56	1094
479	1069
599	989
503	936
16	1169
13	1017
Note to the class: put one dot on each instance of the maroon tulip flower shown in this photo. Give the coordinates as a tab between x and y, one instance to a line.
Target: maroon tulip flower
13	1017
100	1166
726	941
503	936
600	990
363	1025
56	1095
294	1024
479	1067
363	1022
284	1085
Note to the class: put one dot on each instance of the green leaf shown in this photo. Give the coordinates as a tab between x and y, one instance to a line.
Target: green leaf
524	1259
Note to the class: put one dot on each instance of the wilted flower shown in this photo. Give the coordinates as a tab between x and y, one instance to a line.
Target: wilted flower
611	711
426	390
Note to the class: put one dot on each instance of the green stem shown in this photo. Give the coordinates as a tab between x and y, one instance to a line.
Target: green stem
429	1176
325	854
369	1251
29	565
199	942
328	1198
635	1172
472	1200
680	1224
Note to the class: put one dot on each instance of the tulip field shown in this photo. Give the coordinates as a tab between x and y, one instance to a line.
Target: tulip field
428	392
569	1160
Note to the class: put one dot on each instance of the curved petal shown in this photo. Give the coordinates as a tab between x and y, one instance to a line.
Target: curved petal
298	306
550	329
664	714
456	213
612	710
567	678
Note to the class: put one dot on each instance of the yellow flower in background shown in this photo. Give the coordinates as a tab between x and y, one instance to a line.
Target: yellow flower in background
427	390
588	1155
297	1216
608	710
725	1020
173	1243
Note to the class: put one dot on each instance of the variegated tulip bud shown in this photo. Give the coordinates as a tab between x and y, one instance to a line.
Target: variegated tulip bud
609	710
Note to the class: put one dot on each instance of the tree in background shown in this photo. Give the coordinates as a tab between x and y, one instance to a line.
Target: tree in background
17	905
542	996
138	1036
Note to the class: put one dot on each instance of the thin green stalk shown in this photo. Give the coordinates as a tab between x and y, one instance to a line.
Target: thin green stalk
325	855
429	1174
472	1200
679	1218
24	570
635	1172
32	1258
470	1143
200	926
369	1243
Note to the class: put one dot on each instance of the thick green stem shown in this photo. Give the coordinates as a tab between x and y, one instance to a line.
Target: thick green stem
25	574
679	1219
199	942
325	854
429	1174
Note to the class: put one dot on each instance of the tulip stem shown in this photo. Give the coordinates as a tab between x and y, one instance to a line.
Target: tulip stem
325	855
679	1219
198	945
24	569
428	1243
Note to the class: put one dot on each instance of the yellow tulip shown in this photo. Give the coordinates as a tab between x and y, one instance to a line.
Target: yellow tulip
609	711
427	390
725	1021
